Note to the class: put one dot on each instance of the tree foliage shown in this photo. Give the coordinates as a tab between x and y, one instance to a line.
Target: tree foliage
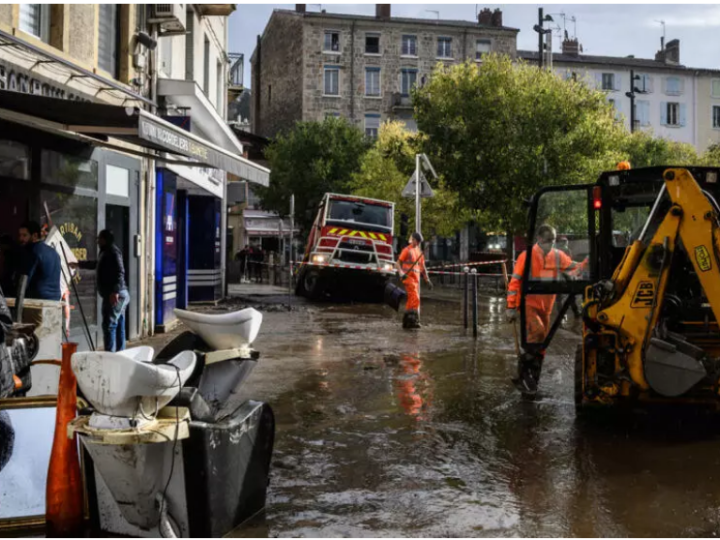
309	160
642	149
387	168
501	130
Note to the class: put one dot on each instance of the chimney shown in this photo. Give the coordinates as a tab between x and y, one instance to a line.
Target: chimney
485	17
571	47
497	18
300	8
382	11
672	52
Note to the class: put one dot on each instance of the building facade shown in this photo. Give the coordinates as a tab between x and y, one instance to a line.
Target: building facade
94	134
308	66
672	100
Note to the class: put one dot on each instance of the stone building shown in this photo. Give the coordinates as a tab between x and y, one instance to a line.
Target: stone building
308	66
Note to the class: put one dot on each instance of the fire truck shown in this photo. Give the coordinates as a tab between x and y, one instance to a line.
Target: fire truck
349	249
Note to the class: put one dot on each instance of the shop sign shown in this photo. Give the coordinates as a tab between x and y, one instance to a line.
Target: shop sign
17	79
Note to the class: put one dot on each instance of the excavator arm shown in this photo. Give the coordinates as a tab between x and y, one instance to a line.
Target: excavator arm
635	295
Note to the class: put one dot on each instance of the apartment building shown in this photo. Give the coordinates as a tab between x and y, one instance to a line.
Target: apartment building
672	100
310	65
113	116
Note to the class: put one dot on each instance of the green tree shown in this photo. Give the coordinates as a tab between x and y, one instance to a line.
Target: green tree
642	149
501	130
711	157
385	171
311	159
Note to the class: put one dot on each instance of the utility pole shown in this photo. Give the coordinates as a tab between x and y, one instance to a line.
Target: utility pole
539	30
417	193
631	95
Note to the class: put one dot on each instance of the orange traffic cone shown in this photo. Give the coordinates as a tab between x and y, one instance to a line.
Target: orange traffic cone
64	492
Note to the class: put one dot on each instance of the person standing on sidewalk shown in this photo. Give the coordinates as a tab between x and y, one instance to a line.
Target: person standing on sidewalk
411	264
113	291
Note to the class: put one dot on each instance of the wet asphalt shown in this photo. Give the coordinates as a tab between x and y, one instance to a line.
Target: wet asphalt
387	432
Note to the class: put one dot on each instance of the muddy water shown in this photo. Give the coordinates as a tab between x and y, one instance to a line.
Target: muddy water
385	432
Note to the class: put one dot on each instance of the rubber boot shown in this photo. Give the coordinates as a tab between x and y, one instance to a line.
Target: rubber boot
528	377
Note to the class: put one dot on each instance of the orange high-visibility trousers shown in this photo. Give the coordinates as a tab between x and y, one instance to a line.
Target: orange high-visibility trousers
412	288
537	323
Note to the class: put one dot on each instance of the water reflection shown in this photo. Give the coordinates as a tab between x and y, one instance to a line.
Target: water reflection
412	386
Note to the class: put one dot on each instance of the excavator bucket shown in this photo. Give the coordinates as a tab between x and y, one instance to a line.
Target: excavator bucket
669	371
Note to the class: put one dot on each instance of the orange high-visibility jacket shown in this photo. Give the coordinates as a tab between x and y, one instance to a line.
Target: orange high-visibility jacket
544	268
407	259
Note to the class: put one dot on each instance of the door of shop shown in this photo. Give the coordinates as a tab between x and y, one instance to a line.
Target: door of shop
120	188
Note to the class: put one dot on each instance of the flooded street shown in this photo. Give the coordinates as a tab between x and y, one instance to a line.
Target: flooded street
386	432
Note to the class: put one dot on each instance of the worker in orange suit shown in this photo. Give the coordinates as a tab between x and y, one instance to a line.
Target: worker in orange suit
411	264
548	264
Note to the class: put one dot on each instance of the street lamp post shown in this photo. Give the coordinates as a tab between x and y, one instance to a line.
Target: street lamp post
631	94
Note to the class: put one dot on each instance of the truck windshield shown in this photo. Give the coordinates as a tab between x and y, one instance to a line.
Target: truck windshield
360	213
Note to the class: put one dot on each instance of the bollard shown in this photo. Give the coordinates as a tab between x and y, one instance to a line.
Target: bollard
466	298
475	301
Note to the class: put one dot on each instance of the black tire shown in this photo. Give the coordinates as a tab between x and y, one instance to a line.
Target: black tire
299	288
311	284
578	377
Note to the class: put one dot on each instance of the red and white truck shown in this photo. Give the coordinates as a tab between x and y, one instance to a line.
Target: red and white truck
349	249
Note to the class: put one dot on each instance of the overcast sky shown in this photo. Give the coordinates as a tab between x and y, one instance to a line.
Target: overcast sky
613	30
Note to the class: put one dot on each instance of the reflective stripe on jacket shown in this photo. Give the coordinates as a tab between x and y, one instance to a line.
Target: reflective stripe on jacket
545	267
407	259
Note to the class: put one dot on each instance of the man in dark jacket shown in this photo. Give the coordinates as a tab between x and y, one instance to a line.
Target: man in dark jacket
113	291
41	264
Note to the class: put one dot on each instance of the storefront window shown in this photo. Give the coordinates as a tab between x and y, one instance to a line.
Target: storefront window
14	160
76	218
69	171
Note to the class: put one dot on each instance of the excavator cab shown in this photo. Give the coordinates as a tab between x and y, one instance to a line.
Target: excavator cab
644	246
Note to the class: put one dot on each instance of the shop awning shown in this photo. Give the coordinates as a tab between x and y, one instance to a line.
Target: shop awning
133	125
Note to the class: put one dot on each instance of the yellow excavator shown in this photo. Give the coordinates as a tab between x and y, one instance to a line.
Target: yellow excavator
651	285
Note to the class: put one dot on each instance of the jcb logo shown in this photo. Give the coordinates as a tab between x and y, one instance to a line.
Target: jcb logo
644	295
703	258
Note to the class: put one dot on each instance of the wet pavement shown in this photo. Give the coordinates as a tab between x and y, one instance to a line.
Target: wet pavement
387	432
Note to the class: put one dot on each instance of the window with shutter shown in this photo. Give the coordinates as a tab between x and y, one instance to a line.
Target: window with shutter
35	20
372	82
372	125
715	88
682	118
673	86
109	38
408	79
482	47
672	114
332	41
444	47
332	81
409	46
608	81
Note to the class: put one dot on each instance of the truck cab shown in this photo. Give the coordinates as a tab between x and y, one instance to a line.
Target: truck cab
349	248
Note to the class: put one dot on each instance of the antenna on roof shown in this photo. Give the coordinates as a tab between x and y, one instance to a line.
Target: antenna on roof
437	13
662	40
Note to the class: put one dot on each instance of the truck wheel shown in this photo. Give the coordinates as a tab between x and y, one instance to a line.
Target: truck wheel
299	285
578	376
311	284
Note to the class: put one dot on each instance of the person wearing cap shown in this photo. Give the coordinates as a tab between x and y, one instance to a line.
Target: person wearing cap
410	265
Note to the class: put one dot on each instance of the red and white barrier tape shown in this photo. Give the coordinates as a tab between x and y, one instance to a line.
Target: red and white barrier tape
459	265
437	272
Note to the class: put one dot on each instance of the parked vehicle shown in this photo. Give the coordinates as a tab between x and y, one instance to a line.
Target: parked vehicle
349	249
